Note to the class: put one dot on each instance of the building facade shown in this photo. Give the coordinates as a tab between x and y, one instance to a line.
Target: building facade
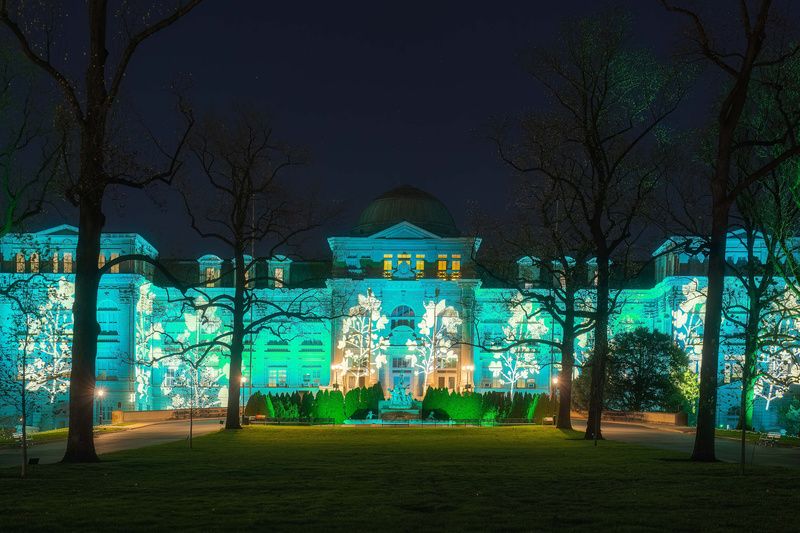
401	302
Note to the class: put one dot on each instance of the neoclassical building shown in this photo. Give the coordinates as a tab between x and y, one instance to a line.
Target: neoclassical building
400	301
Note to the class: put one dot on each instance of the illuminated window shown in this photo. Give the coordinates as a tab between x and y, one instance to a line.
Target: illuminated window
55	262
67	262
211	276
278	276
311	375
20	262
34	262
404	259
387	265
402	316
101	260
115	268
441	266
276	377
420	266
455	266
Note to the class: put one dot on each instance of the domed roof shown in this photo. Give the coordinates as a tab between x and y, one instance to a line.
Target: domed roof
406	203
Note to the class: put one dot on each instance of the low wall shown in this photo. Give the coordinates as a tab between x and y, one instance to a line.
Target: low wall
671	419
119	417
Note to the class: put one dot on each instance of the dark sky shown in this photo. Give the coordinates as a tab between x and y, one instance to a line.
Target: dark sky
382	93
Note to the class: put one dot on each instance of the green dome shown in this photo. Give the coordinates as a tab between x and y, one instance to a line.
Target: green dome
408	204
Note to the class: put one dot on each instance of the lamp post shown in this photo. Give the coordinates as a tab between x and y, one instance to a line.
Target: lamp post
469	369
335	371
100	393
243	381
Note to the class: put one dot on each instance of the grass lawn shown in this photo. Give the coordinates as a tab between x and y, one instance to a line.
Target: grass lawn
753	436
399	479
41	437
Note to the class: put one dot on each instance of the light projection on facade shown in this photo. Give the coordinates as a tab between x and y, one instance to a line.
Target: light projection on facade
779	360
519	360
687	321
420	330
363	346
432	347
47	341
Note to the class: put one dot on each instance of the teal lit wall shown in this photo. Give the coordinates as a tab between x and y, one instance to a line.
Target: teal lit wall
142	324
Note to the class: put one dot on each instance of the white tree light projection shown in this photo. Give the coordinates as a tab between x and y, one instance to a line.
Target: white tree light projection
519	361
433	345
363	345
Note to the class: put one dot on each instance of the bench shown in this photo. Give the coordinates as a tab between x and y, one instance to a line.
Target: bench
768	439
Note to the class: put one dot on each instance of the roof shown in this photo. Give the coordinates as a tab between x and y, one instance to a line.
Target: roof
409	204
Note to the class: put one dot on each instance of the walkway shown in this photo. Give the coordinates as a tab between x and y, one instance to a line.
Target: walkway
135	437
674	439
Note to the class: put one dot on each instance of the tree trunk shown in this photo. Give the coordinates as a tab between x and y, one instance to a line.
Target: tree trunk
80	439
565	378
709	363
233	420
600	355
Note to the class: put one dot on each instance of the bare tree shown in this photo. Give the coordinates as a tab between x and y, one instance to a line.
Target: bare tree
103	161
602	147
754	77
243	201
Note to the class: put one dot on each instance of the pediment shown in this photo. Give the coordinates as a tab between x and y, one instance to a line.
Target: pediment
63	229
404	230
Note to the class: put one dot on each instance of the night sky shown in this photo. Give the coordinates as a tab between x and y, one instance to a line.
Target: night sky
382	93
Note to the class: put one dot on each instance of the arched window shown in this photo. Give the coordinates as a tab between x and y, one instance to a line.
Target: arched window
402	316
20	262
34	262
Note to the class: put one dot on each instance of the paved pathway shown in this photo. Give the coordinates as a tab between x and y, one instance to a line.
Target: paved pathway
683	441
135	437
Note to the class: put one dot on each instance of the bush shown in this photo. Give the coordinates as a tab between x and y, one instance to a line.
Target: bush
789	416
256	405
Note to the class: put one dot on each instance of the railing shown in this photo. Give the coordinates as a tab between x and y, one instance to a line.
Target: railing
292	421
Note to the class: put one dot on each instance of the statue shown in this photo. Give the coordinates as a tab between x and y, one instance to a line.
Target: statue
400	399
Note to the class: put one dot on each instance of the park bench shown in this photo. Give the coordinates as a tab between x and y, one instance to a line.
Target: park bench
769	439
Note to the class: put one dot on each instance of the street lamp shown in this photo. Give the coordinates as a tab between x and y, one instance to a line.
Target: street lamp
335	370
242	381
469	369
100	392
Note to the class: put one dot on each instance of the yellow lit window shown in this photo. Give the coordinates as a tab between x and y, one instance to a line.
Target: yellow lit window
20	262
455	266
55	262
441	266
387	265
67	262
115	268
404	258
278	275
34	262
101	260
211	277
420	266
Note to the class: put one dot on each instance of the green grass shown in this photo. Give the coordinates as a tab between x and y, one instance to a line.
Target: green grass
52	435
278	478
753	436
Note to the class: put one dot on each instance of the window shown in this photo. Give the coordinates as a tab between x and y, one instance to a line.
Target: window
101	260
211	276
404	259
276	377
451	382
55	262
169	378
441	266
420	266
34	262
67	262
400	362
107	318
402	316
387	265
115	268
455	266
278	277
20	262
311	376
